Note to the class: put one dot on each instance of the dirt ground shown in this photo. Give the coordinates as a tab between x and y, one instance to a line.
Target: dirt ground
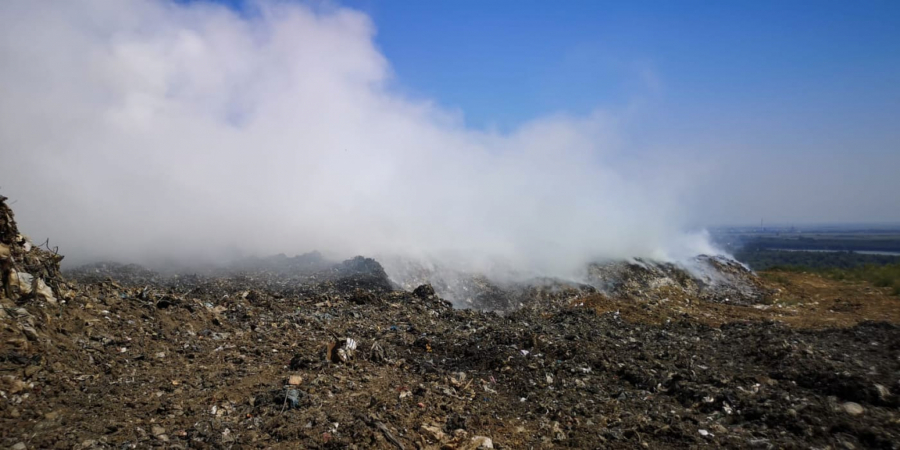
210	367
800	300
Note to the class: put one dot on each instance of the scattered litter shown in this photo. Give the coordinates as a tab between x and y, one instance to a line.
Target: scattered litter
261	356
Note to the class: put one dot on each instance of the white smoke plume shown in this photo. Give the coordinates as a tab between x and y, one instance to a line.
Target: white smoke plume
145	129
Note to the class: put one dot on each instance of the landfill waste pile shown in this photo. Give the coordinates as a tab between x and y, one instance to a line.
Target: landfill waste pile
322	355
709	278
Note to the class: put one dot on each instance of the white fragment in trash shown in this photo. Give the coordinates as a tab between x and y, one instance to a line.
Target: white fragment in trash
21	280
42	291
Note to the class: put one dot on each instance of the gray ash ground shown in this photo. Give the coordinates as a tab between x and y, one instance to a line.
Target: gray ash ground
335	356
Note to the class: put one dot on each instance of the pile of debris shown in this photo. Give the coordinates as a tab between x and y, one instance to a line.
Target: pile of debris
26	271
132	274
710	278
337	358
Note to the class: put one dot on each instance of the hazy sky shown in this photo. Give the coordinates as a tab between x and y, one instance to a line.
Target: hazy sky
507	131
794	104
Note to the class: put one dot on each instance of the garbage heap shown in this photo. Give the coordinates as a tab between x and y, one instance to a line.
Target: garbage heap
710	278
27	272
274	358
716	279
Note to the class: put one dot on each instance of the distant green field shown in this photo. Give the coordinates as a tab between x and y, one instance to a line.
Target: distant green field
880	270
880	276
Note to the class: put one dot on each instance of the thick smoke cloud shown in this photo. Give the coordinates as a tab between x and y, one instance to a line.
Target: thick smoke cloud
141	129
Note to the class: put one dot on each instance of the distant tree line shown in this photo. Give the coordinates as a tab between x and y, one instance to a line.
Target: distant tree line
825	243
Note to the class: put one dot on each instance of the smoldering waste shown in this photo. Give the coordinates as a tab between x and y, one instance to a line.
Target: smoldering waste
298	352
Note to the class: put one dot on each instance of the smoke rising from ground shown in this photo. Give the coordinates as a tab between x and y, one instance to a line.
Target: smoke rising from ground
139	130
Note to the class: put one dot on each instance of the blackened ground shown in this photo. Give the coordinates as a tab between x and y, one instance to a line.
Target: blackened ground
120	367
335	358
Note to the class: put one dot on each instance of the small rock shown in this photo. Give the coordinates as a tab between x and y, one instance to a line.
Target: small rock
424	292
17	386
295	380
433	433
30	332
854	409
482	442
157	430
31	370
19	446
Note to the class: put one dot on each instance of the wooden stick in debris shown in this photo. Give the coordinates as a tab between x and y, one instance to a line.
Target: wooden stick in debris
372	421
388	435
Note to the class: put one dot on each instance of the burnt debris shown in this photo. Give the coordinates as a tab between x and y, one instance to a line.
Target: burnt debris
321	355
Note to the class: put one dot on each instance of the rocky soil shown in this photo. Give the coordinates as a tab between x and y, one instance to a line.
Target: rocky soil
338	356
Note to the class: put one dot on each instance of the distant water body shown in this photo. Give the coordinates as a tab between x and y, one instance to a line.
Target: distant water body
861	252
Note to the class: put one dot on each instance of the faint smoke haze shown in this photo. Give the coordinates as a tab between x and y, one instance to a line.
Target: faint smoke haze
139	130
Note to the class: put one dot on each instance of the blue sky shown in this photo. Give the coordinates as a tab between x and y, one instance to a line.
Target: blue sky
799	97
738	65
